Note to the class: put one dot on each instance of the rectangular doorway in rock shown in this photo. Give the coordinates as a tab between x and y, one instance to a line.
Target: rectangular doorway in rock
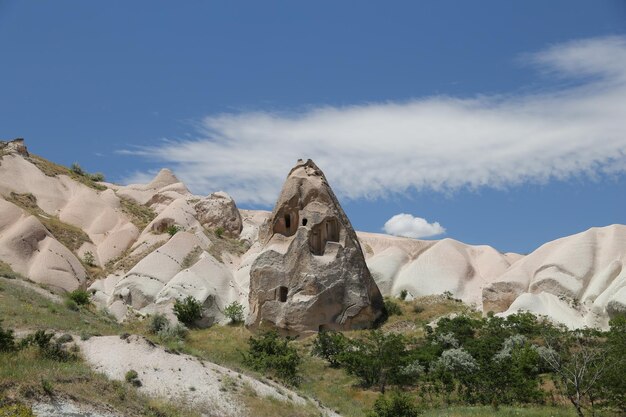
282	294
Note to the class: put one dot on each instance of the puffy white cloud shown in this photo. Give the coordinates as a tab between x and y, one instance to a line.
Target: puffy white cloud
409	226
440	143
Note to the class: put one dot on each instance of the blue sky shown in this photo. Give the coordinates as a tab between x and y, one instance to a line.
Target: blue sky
500	121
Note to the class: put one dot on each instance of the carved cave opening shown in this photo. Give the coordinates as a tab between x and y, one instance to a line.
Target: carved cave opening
287	224
327	231
282	294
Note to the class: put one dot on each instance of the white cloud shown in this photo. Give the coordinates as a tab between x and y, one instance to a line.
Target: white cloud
439	143
409	226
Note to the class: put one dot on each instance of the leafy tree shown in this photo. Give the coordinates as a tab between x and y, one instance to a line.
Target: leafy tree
188	311
613	382
397	404
330	345
579	361
376	359
234	312
270	353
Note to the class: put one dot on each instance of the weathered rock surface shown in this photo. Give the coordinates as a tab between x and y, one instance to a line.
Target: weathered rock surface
578	280
311	273
218	210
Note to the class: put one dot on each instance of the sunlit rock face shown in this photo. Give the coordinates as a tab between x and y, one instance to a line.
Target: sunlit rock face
311	273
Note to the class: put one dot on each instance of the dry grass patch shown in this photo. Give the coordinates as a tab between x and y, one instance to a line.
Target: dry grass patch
259	406
70	236
52	170
7	272
139	214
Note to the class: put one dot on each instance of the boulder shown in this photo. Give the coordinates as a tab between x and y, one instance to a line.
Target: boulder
218	210
310	274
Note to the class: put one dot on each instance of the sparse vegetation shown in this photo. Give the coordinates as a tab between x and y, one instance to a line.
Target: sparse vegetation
219	232
392	307
173	229
75	171
132	378
7	272
157	322
191	258
139	214
234	312
89	259
403	294
188	311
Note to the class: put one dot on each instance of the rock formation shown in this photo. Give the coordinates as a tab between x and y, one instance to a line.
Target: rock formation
218	210
311	274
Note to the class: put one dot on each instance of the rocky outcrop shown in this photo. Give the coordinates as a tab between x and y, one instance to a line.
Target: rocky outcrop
13	146
218	210
311	274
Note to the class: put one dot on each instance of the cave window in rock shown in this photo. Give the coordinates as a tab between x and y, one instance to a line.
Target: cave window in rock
304	222
282	294
287	224
287	221
332	231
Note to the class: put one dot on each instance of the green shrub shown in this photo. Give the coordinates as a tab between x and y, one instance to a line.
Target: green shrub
393	308
132	378
97	177
80	297
270	353
157	323
89	259
47	348
76	169
175	333
46	385
403	294
234	312
219	232
173	229
7	340
330	345
188	311
397	404
417	308
71	304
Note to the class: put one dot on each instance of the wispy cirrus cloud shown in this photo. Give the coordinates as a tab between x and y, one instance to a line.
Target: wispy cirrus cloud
440	143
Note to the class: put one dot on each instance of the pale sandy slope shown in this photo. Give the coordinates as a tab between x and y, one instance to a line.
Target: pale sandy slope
213	389
578	280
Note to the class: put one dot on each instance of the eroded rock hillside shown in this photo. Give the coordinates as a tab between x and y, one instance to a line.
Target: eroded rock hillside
139	247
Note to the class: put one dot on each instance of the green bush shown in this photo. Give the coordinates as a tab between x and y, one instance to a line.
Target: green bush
157	323
393	308
97	177
403	294
7	340
175	333
188	311
80	297
330	345
270	353
76	169
397	404
219	232
71	304
173	229
132	378
234	312
47	348
89	259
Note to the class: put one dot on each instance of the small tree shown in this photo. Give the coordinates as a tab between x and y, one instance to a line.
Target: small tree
398	404
269	353
579	360
188	311
377	359
330	345
234	312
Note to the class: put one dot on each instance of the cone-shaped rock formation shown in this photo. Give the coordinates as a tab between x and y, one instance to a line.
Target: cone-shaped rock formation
311	274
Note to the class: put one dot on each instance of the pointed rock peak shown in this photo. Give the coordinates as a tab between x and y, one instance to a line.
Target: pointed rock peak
13	146
311	274
164	178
